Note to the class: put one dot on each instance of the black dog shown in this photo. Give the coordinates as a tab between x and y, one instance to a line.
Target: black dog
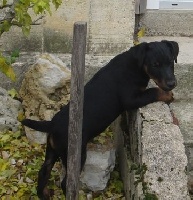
119	86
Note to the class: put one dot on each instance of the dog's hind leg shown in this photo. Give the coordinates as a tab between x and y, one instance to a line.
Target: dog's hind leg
64	162
83	157
44	174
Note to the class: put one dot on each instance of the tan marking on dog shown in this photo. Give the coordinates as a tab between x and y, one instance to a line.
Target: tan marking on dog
145	68
157	82
46	193
142	89
51	142
164	96
160	84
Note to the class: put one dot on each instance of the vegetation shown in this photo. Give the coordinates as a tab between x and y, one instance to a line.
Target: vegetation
139	35
17	13
5	64
140	178
19	165
20	162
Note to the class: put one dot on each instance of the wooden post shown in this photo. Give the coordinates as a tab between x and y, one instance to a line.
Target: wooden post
76	110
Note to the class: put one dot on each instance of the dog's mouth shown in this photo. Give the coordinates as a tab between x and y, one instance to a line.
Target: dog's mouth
166	85
166	89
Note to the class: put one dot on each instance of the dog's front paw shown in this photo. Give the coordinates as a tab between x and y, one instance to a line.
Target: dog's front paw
164	96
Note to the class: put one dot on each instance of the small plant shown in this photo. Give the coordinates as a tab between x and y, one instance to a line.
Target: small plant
140	34
140	178
149	196
104	136
6	62
160	179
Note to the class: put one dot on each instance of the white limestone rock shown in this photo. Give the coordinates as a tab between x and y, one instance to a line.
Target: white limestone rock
98	166
44	90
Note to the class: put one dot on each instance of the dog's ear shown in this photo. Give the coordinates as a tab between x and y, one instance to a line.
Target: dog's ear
139	52
173	47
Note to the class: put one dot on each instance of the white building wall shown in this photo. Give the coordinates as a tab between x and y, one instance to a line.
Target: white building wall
170	4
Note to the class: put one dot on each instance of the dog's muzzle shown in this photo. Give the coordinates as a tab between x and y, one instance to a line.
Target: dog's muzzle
169	85
166	85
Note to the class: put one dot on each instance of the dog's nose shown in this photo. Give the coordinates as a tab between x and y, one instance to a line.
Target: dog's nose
171	83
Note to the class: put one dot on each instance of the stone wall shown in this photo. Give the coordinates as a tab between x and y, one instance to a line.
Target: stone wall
151	154
110	28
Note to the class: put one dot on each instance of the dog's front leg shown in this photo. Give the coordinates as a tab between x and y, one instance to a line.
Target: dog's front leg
151	95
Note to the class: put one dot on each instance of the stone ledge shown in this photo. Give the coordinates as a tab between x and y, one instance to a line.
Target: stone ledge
153	141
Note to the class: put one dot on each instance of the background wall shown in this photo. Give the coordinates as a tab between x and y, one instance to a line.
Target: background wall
110	28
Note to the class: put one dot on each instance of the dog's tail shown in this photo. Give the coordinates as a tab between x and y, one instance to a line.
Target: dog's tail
43	126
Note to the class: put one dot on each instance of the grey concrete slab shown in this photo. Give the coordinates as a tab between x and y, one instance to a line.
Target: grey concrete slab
183	111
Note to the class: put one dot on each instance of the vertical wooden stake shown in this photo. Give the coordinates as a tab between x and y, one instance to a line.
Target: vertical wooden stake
76	110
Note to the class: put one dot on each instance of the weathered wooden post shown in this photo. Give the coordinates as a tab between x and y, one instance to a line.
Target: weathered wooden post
76	110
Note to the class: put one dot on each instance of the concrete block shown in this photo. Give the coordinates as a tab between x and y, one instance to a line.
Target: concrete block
183	112
164	154
167	22
106	24
184	89
56	41
154	146
14	39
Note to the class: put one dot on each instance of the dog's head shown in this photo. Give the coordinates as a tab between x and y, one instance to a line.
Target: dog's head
157	59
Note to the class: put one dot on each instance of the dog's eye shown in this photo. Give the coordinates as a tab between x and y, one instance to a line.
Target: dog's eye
156	64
